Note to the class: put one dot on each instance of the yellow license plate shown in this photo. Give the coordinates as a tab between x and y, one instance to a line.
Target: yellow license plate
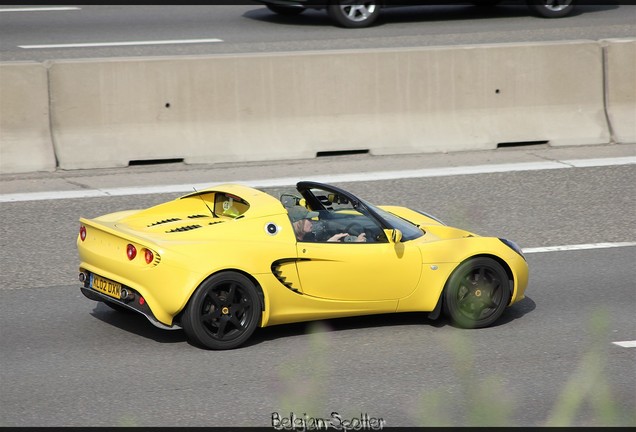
106	286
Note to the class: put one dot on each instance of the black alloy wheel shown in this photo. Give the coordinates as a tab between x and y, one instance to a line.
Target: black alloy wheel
223	312
477	293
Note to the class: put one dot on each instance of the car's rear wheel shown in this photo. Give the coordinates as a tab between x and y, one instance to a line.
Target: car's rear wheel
551	8
353	13
223	312
477	293
286	10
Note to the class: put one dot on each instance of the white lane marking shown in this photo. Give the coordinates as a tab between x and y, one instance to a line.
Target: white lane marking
333	178
131	43
584	163
626	344
577	247
40	9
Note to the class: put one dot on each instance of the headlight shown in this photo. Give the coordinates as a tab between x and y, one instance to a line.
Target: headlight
514	246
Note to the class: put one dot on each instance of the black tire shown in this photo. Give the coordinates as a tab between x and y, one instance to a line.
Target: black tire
286	10
223	312
477	293
551	8
353	13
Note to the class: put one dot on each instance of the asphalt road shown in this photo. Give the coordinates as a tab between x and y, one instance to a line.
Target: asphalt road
67	361
252	28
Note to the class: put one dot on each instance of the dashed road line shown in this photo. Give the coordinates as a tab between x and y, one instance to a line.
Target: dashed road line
41	9
127	43
577	247
626	344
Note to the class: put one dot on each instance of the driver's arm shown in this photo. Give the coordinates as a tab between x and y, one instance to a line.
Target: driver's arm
337	237
348	238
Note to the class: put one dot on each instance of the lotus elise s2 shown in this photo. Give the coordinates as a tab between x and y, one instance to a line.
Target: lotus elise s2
222	261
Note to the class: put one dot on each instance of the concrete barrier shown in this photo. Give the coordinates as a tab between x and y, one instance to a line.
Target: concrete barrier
25	136
292	105
620	82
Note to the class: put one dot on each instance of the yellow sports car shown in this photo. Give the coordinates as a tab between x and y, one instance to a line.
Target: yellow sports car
220	262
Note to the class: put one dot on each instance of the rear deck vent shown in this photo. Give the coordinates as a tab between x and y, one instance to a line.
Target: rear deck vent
155	161
197	216
520	144
341	153
184	228
164	221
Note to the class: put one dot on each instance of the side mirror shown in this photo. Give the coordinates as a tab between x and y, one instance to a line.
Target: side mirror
396	236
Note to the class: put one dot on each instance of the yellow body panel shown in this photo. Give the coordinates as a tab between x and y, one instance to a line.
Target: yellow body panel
285	306
196	236
358	271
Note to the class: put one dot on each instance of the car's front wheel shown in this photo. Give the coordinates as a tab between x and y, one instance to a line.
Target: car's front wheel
286	10
552	8
223	312
353	13
477	293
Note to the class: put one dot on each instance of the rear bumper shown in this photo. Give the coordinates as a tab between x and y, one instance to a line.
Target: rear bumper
133	305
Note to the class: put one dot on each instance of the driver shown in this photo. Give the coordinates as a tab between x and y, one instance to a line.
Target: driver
302	223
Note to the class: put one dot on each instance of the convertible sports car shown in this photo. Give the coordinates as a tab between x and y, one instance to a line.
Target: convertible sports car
222	261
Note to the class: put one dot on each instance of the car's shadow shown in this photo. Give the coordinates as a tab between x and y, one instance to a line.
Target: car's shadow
430	13
512	313
137	324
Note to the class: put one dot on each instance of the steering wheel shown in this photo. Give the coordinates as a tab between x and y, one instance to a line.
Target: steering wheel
354	228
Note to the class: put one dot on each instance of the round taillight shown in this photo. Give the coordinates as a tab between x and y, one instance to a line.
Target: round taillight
82	232
131	252
149	256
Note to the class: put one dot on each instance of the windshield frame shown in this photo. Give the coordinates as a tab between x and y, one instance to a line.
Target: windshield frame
385	219
409	230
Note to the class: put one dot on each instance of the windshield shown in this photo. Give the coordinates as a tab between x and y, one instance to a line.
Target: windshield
409	231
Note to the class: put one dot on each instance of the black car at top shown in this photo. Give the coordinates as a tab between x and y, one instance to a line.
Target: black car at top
360	13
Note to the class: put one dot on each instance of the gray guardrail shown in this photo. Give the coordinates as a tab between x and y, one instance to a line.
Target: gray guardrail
101	113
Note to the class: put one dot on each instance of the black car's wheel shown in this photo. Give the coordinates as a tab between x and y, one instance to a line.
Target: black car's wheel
551	8
353	13
223	312
286	10
476	293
